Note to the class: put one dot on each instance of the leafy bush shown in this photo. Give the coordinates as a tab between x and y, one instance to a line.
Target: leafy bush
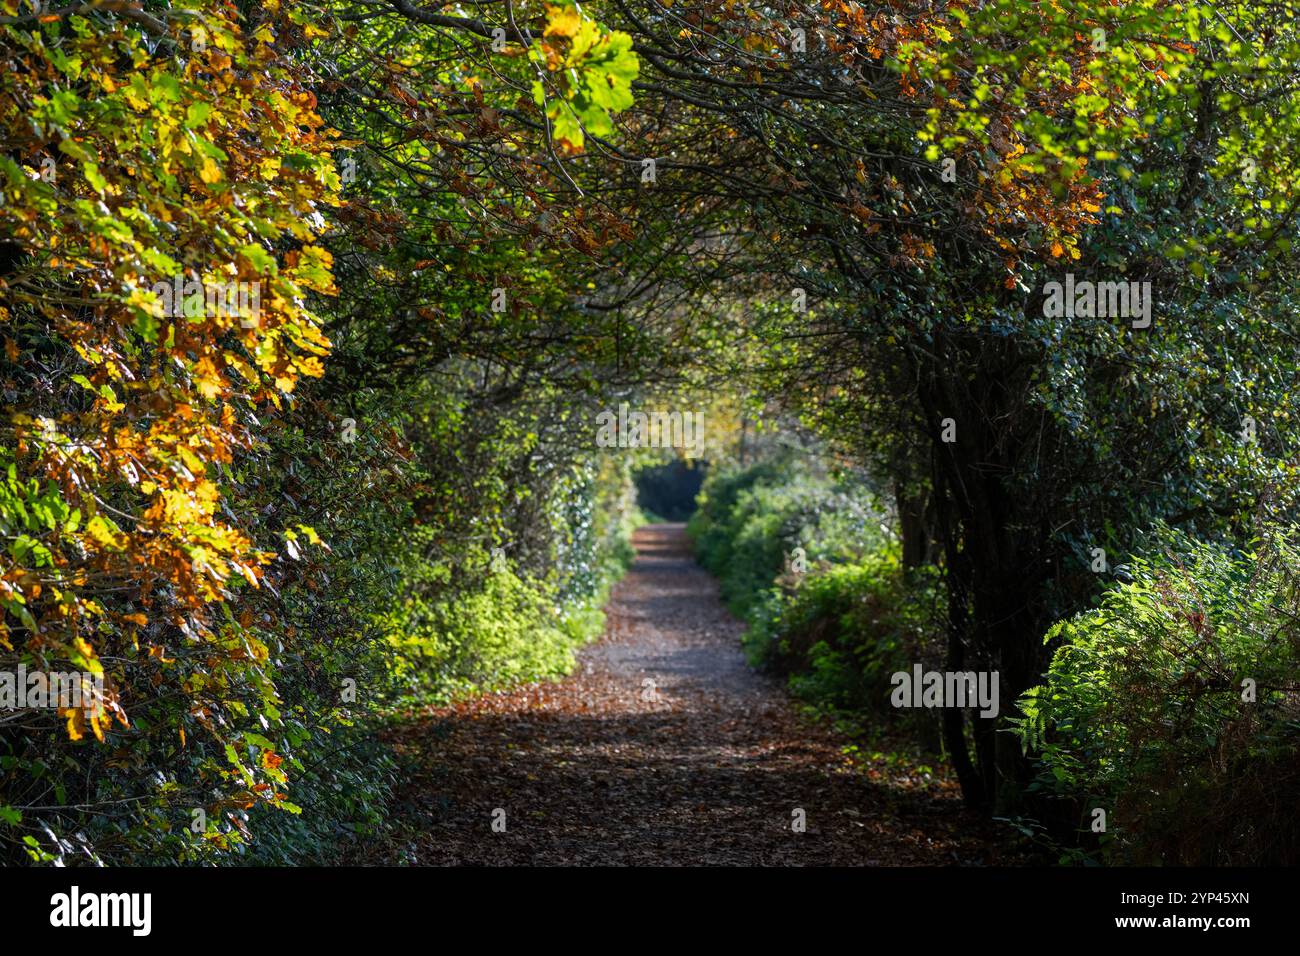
146	544
495	619
1143	712
750	521
856	617
511	630
842	632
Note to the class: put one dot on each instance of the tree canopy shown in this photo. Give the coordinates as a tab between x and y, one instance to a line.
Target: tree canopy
308	311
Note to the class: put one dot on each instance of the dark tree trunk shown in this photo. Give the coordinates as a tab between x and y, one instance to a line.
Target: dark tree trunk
954	720
914	528
994	564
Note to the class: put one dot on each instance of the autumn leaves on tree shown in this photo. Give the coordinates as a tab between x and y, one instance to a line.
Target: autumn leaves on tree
234	507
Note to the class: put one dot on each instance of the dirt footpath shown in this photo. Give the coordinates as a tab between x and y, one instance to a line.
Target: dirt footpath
664	748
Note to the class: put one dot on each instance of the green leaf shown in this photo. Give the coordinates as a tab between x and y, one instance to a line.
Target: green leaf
93	176
197	114
261	260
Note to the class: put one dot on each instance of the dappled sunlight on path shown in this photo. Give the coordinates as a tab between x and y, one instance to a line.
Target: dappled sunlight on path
663	747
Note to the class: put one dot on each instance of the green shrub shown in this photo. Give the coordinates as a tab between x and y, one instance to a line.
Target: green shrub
751	521
509	631
840	630
1142	715
495	621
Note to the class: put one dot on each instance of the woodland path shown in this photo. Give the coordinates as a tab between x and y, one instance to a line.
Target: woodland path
664	748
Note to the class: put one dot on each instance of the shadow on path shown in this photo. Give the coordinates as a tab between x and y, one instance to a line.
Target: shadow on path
664	747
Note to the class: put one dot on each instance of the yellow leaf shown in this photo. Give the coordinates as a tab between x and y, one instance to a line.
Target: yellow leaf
75	720
209	172
563	22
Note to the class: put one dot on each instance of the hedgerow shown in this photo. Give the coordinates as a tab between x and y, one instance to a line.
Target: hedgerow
1173	709
750	522
854	616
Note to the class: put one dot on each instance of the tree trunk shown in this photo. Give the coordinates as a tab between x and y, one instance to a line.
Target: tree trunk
913	528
